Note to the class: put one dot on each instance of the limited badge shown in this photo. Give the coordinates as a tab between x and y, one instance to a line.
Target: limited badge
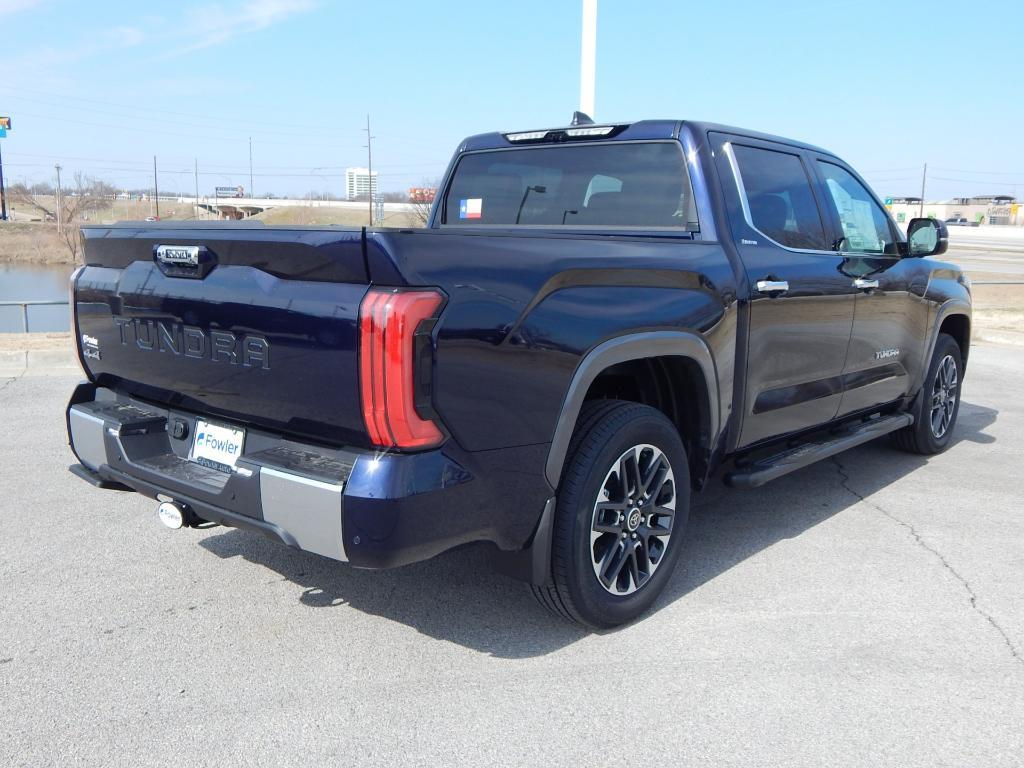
471	208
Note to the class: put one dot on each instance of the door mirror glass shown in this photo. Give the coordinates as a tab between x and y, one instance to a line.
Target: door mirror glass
927	237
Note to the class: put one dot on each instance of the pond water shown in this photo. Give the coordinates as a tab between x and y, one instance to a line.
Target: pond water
34	282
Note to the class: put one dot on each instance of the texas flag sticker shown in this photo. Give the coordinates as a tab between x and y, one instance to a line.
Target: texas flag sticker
471	208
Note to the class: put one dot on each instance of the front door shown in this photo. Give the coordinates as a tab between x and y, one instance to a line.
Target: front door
891	316
801	304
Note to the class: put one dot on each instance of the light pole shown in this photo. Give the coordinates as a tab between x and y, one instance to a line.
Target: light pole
60	226
313	173
156	191
369	165
3	197
924	179
588	57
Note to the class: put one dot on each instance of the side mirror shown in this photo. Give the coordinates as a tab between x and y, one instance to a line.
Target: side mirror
927	237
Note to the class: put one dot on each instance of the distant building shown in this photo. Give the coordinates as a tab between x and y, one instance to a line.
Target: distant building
995	210
422	194
358	183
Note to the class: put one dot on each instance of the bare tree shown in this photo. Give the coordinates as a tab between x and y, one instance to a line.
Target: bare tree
29	197
76	202
421	200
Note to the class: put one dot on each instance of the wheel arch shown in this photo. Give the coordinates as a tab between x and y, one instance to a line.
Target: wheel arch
958	325
661	353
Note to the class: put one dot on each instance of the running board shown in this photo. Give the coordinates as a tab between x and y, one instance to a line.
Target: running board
761	471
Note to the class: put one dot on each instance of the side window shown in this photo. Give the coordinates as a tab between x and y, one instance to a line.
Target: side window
865	226
779	197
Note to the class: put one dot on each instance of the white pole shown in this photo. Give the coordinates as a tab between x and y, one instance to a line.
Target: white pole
588	57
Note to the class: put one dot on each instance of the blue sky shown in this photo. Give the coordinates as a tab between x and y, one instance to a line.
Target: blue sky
103	86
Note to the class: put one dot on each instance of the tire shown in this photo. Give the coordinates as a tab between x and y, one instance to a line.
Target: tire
607	577
937	405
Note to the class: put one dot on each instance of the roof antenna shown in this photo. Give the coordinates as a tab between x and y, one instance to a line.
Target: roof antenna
581	118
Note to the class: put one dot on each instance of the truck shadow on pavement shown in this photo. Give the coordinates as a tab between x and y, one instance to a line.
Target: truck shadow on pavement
456	597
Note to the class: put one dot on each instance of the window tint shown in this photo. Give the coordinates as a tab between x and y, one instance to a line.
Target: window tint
865	226
779	197
642	185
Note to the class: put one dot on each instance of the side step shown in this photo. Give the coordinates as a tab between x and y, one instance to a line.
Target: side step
761	471
94	479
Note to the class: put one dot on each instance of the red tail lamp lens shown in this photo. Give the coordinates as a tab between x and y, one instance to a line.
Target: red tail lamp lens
387	326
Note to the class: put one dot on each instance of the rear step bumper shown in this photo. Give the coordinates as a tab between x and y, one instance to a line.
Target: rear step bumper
768	468
371	509
205	511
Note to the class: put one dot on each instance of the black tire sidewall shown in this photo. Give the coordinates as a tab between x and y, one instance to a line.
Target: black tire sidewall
647	425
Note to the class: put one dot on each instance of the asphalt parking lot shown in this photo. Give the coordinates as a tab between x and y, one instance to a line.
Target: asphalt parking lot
865	611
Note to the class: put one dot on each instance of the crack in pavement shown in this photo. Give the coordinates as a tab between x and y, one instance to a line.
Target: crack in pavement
10	381
844	481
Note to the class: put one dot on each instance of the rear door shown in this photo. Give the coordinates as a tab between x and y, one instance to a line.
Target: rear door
890	318
801	304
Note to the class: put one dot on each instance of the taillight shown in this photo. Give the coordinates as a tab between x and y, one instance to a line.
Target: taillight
388	320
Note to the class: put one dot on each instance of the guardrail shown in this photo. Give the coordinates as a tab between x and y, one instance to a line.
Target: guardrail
26	304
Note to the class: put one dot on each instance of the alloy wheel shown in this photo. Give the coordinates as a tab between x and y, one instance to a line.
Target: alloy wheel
944	395
633	519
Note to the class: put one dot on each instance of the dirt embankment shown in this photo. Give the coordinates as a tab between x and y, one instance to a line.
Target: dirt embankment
998	312
347	217
32	243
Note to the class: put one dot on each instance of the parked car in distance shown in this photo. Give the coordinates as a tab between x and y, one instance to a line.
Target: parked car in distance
960	221
597	321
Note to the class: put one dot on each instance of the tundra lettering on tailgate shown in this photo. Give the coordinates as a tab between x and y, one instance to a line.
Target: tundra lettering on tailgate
249	350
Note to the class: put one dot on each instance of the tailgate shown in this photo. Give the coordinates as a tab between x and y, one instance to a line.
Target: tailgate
254	325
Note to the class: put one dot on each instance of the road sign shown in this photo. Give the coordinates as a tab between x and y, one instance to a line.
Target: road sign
888	201
3	132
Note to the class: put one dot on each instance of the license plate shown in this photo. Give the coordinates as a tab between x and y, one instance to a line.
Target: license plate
216	446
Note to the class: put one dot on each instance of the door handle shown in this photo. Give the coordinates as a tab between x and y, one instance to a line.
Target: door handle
865	284
772	286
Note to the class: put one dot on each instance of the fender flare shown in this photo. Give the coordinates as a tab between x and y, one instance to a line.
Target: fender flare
634	346
948	309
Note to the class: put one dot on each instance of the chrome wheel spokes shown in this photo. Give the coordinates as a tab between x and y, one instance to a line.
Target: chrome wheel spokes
632	520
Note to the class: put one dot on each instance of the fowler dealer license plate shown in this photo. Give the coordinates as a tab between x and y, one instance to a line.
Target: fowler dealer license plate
216	446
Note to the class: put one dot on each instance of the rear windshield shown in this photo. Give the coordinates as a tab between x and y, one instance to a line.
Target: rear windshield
619	185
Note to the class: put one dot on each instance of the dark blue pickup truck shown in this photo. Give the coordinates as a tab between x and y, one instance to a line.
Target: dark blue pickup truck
597	320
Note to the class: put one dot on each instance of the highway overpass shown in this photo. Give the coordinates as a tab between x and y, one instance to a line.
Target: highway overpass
244	207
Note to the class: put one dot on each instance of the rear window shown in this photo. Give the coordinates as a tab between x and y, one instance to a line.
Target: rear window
779	197
619	185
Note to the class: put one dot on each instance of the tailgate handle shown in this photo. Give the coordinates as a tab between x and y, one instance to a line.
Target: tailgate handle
179	260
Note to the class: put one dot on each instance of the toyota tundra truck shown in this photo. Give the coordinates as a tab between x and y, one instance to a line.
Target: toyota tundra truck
596	321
